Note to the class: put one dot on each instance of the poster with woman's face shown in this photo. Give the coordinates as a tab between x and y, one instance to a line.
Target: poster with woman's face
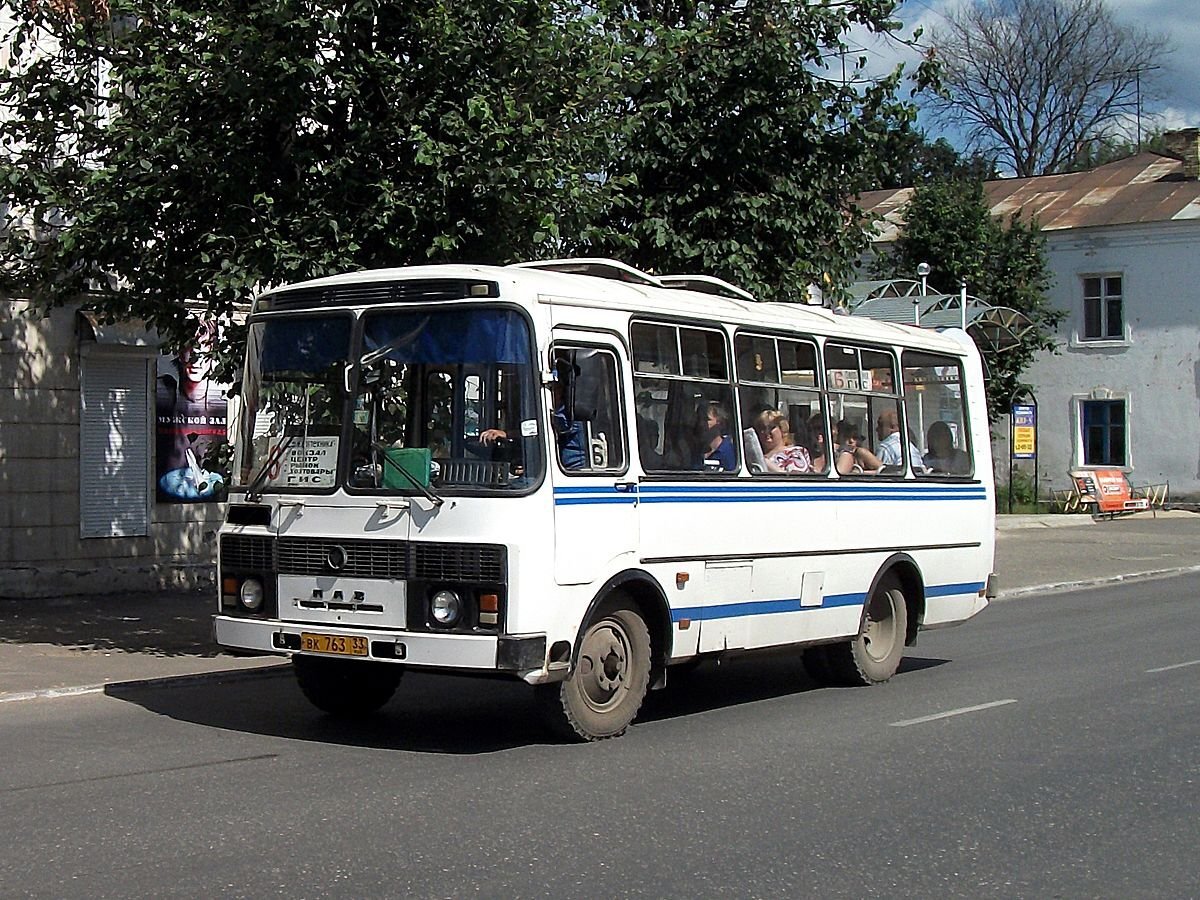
190	410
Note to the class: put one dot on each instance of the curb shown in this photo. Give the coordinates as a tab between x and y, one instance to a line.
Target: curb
1065	586
114	688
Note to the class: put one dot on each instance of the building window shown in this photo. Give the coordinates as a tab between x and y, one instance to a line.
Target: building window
1103	314
1103	432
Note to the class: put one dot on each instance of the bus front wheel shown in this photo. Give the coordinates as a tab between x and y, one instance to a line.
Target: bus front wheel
605	691
346	688
874	655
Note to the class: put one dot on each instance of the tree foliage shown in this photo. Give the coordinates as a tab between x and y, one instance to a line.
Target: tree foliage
1029	81
740	149
252	142
949	226
235	144
1101	151
914	159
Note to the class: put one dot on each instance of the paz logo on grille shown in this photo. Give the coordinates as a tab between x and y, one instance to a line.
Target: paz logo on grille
335	558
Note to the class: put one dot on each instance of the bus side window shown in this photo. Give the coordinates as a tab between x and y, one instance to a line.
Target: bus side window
778	384
935	405
586	412
686	416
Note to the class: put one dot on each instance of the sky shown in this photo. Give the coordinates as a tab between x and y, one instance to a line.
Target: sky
1178	80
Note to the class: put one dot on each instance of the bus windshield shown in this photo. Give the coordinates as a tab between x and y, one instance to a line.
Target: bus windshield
425	385
293	402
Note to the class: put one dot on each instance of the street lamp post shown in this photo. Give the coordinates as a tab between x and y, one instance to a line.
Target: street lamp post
923	269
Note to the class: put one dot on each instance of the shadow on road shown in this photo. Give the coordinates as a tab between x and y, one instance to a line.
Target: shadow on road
169	624
433	713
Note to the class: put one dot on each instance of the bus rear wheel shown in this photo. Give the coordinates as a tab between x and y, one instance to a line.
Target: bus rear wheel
606	689
874	655
346	688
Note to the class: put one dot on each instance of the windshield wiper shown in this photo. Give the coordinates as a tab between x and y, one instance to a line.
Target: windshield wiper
253	494
412	479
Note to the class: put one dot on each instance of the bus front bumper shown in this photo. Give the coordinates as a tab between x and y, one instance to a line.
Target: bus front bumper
523	655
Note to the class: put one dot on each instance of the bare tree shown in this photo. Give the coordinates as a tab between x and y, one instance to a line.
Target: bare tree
1029	80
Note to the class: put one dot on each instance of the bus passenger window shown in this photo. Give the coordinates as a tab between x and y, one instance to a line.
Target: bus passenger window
684	403
785	411
935	404
863	393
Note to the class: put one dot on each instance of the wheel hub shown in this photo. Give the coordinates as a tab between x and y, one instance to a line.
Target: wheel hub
604	662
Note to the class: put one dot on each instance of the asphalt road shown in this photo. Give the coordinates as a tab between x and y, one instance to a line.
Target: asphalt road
1049	748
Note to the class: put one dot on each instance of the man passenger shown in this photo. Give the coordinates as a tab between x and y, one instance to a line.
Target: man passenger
887	428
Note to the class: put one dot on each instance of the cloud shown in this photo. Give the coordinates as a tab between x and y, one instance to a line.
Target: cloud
1172	93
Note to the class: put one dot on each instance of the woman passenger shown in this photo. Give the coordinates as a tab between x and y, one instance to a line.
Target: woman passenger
850	456
781	454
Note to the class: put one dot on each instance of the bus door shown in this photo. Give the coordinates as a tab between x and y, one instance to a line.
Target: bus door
595	497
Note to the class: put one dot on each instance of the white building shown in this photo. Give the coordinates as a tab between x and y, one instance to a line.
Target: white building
1123	247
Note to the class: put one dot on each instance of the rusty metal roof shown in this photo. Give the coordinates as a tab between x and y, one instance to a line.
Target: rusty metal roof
1146	187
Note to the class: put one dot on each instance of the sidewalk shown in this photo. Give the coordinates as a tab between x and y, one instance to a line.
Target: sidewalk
62	647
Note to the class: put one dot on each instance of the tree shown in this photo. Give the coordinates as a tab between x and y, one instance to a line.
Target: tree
1029	81
1101	151
741	149
948	225
914	159
235	144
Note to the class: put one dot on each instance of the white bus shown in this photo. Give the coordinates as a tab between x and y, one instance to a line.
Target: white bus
579	475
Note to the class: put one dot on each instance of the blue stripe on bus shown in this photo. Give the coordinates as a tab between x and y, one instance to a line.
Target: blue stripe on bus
951	590
792	604
589	501
569	496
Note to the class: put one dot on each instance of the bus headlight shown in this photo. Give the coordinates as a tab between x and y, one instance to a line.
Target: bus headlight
250	594
445	607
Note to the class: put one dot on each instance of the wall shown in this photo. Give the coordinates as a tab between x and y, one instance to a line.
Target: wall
41	551
1156	368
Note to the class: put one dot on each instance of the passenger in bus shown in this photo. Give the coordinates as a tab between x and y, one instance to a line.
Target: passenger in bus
851	457
817	449
887	428
648	432
719	453
781	453
943	457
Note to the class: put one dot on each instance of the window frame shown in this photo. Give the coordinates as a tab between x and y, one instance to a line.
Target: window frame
1086	402
620	426
779	385
964	424
895	395
1103	299
728	385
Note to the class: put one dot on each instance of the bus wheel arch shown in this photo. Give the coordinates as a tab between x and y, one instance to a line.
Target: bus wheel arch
904	569
639	589
892	611
620	645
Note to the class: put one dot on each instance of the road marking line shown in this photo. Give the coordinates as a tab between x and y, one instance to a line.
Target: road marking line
1194	662
953	712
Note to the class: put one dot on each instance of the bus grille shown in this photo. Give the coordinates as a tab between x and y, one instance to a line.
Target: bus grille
459	562
242	552
364	559
419	560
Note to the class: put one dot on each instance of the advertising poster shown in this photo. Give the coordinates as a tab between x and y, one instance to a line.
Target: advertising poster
1024	431
190	410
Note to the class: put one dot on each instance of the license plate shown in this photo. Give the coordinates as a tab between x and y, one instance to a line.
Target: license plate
333	643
